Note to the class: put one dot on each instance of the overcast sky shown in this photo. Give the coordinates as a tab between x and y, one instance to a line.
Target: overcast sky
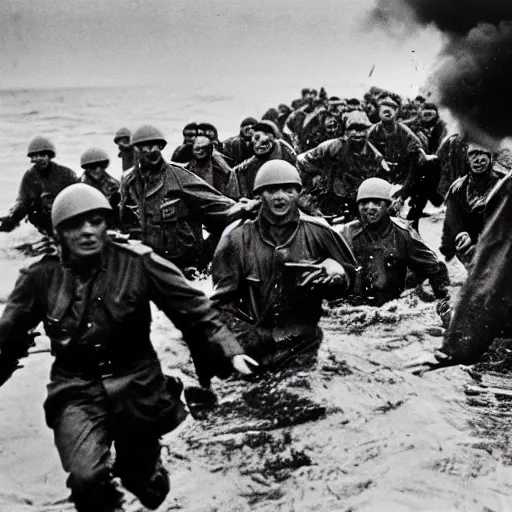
193	43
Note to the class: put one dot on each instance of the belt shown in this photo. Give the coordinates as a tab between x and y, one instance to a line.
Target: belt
97	361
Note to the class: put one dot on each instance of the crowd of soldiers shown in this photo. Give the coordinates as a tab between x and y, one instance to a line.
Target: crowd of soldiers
301	206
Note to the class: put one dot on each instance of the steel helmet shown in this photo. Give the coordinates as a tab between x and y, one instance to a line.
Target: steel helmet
93	156
276	172
40	144
77	199
122	133
148	133
474	147
374	188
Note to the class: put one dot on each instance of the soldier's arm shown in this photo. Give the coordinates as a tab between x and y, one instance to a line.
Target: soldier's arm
424	261
21	206
23	311
311	164
226	271
211	344
70	176
484	302
207	205
453	225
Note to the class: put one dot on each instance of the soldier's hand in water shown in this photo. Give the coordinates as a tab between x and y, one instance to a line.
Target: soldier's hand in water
444	310
244	364
332	273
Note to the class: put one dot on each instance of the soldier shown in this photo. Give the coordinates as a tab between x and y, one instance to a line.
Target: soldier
106	385
386	247
239	148
333	171
171	204
266	146
94	162
271	274
183	153
39	187
405	154
465	205
126	152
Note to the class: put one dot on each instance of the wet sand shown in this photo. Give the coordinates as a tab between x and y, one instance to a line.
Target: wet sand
355	433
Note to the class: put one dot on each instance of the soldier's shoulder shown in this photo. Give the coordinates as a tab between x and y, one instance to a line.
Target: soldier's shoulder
457	185
350	229
64	170
402	224
314	221
133	247
43	264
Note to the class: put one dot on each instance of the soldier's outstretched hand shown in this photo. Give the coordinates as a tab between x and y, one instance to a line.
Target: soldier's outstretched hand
244	364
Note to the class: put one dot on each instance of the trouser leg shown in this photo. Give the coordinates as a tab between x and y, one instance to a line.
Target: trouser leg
82	439
139	466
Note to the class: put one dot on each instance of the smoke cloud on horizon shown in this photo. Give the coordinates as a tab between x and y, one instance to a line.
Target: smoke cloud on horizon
471	79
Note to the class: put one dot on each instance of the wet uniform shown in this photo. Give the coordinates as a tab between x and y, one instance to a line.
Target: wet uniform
107	185
246	171
237	149
333	171
483	310
36	194
401	147
386	256
250	279
106	383
170	206
217	173
465	208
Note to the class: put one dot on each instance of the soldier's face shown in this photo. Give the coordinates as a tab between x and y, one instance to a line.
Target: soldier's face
262	143
331	126
40	160
280	200
387	113
247	131
84	235
202	148
123	143
428	115
357	134
96	172
149	153
372	211
479	161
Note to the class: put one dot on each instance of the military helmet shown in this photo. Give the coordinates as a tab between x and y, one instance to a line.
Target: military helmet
75	200
40	145
474	147
122	133
276	172
148	133
374	188
93	156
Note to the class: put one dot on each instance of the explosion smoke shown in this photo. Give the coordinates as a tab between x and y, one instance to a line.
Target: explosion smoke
472	79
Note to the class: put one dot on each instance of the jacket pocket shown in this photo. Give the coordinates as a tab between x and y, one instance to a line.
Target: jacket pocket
176	232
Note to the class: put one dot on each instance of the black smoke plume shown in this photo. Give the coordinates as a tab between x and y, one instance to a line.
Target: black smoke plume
472	77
